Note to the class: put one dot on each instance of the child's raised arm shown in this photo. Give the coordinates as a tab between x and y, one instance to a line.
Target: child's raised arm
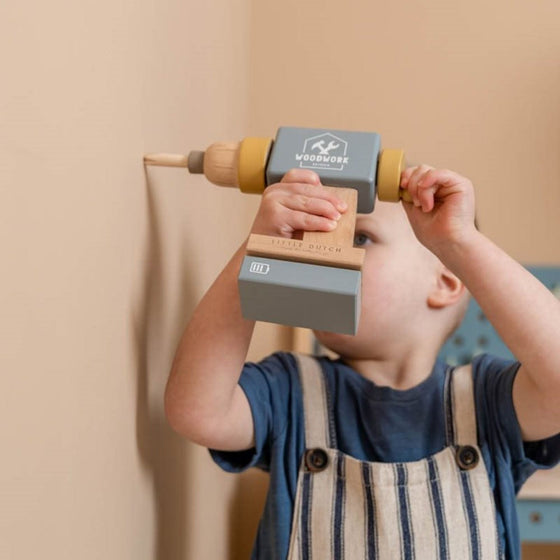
203	400
524	313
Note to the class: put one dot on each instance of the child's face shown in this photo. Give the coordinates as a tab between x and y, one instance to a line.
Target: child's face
397	276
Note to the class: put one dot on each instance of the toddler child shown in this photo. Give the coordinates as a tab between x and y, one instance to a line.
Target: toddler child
383	452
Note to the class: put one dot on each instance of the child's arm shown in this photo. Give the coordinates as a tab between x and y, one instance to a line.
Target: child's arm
525	314
203	400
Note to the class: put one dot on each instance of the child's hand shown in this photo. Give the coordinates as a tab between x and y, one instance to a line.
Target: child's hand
442	210
298	203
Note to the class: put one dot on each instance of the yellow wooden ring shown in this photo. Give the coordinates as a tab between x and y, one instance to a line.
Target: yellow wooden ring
253	154
389	168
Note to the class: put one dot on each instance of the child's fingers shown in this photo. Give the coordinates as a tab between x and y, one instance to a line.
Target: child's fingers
306	183
443	178
288	207
298	203
301	176
312	205
435	184
303	221
405	176
410	171
410	180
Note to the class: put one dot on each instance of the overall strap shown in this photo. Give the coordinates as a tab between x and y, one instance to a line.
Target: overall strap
315	409
462	406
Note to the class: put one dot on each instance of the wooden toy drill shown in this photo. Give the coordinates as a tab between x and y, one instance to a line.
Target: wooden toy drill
314	281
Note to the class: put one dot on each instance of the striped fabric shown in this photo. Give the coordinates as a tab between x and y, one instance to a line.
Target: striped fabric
427	509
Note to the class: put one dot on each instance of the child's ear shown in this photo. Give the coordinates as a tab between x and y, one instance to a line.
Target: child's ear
447	290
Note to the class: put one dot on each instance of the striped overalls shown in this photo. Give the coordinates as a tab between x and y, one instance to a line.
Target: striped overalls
436	508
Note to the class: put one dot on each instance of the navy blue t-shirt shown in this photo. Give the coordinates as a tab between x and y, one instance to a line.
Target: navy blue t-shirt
374	423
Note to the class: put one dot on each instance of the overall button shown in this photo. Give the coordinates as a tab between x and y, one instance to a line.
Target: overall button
467	457
316	459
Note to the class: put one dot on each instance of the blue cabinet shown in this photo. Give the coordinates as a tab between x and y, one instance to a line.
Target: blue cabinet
539	520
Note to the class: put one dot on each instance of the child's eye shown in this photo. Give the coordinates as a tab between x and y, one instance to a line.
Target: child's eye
361	239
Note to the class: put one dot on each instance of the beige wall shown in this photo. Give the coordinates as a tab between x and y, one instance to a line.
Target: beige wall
102	263
101	266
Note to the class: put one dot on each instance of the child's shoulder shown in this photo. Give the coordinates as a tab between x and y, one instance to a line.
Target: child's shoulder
277	363
489	363
493	372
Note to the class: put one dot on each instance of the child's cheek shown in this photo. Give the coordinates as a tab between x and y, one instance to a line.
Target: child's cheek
379	283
